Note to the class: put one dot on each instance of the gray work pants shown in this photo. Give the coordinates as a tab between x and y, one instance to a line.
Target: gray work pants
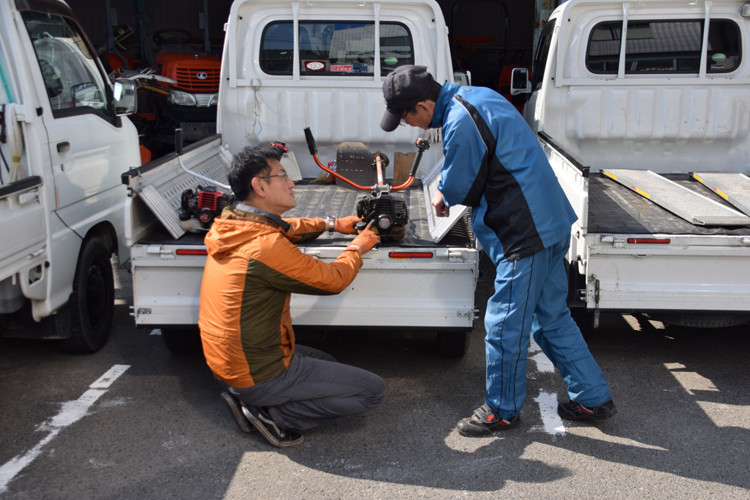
313	390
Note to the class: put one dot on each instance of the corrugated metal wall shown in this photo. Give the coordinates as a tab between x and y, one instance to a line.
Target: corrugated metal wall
157	15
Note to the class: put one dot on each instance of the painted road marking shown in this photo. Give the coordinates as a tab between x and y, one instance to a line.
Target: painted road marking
551	421
543	364
70	412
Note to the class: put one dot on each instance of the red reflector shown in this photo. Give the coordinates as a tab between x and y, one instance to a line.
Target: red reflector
410	255
183	251
653	241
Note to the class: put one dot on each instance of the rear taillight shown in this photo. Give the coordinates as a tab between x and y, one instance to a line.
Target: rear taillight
411	255
650	241
185	251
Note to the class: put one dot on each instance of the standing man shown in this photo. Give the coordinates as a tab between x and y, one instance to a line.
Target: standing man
252	269
494	164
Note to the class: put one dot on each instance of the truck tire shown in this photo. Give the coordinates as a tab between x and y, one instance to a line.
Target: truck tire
182	341
92	302
702	320
452	344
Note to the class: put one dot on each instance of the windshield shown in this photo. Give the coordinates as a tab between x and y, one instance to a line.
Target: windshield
71	75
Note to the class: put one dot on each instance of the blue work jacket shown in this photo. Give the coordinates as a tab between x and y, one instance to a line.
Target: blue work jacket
494	164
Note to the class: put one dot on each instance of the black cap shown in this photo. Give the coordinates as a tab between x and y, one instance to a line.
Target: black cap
404	87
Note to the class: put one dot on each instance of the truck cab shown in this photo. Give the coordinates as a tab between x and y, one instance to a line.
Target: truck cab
292	67
300	65
642	109
64	143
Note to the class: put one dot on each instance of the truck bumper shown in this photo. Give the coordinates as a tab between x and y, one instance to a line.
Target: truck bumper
678	276
429	292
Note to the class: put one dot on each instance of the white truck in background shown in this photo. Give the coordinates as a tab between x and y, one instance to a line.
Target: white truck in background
286	67
643	109
64	146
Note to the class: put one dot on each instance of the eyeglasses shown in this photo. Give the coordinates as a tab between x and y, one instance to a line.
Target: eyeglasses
412	109
284	175
403	123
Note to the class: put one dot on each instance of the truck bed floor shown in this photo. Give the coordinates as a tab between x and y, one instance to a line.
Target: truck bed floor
321	200
615	209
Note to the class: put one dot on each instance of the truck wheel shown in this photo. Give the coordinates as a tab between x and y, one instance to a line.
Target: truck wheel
182	341
92	302
702	320
452	344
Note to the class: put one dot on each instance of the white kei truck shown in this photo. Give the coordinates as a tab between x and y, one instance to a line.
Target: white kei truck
64	145
310	75
643	109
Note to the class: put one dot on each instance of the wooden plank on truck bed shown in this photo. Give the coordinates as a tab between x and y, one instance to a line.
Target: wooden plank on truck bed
732	187
691	206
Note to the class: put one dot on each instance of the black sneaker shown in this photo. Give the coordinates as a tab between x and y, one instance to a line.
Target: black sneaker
234	408
576	411
485	421
265	424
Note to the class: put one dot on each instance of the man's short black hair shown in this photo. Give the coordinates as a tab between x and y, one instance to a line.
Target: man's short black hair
248	163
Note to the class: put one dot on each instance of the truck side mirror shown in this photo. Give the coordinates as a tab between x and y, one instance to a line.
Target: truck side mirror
519	82
462	78
124	97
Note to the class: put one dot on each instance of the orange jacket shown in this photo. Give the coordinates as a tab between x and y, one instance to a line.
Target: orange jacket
252	268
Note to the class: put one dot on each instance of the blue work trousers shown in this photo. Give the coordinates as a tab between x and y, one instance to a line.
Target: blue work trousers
530	297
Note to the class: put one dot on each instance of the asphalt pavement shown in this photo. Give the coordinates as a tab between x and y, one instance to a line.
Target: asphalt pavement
134	421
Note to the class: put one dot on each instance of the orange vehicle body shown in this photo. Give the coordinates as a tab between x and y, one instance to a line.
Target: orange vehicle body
194	72
187	102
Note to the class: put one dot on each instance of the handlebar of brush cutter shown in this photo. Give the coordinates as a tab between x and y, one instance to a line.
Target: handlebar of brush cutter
422	146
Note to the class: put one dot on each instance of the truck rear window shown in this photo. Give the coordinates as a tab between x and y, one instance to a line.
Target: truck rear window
334	48
664	47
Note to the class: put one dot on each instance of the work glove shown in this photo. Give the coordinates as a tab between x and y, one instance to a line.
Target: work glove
364	242
345	225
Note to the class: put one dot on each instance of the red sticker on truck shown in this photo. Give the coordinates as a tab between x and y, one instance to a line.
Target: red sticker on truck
344	68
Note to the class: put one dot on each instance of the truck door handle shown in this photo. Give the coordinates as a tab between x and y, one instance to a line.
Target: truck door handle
63	146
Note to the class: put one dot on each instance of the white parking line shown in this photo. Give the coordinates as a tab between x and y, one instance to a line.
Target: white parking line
553	424
543	364
551	421
70	412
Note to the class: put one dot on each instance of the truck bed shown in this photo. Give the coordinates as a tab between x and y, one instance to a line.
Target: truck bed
615	209
320	200
405	291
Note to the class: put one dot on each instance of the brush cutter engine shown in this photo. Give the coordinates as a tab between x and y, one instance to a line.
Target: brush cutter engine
204	205
389	213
